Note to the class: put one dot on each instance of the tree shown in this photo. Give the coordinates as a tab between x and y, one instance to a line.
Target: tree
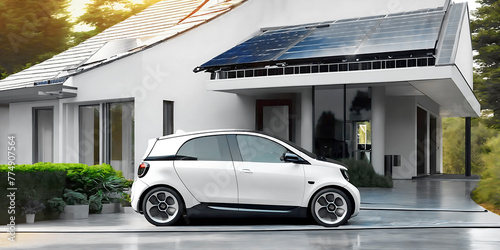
31	31
102	14
486	41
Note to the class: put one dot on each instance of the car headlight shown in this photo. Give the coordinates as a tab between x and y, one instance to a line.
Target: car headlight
345	173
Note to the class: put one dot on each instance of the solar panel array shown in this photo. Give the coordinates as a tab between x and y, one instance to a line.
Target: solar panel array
417	30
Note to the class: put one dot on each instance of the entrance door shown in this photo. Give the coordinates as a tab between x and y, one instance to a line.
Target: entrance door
421	141
43	135
433	144
273	117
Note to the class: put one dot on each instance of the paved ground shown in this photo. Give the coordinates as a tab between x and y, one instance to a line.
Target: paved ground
418	214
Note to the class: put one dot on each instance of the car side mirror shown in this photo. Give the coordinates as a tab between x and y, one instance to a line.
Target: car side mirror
293	158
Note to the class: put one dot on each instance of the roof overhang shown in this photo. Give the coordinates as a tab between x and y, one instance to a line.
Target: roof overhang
445	85
37	93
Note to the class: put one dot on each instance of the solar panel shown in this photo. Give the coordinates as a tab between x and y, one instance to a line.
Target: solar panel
417	30
339	39
451	33
261	48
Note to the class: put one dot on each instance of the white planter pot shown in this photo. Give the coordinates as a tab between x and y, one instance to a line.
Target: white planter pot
75	212
111	208
30	218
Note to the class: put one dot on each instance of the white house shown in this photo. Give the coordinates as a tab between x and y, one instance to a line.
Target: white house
357	79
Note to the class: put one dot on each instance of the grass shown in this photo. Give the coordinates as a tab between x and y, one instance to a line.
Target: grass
490	208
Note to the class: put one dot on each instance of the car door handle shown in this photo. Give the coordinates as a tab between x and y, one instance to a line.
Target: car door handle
246	171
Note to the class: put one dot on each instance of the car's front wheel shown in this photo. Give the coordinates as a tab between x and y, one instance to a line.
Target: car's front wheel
331	207
162	206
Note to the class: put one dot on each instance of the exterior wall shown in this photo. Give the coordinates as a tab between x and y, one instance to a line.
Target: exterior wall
4	132
285	12
401	134
21	125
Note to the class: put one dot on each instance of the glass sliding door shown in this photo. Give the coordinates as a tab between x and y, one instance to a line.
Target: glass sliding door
89	134
329	139
43	135
120	137
342	122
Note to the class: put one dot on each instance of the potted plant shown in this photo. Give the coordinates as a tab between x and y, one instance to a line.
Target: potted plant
77	205
32	207
56	205
112	193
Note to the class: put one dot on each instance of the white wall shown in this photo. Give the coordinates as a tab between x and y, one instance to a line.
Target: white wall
4	132
401	133
286	12
21	125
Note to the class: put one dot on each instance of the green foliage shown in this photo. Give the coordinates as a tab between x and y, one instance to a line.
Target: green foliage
95	202
488	189
72	197
32	187
454	144
56	205
33	206
31	31
362	174
100	183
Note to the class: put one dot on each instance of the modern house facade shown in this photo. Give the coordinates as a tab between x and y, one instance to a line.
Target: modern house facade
345	79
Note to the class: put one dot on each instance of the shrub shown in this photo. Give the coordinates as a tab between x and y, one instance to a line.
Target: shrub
31	186
362	174
72	197
95	202
56	205
488	189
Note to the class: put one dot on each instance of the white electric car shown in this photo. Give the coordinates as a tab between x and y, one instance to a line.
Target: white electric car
234	172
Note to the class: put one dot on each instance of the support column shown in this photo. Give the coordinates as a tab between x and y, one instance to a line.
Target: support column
307	119
468	161
378	129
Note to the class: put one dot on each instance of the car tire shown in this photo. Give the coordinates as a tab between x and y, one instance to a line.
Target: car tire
162	206
331	207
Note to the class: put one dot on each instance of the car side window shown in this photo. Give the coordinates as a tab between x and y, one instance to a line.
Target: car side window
258	149
209	148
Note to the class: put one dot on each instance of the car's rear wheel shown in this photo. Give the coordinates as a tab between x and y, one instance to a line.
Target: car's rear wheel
162	206
331	207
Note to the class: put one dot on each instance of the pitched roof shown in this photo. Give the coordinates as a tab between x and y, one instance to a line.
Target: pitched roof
160	21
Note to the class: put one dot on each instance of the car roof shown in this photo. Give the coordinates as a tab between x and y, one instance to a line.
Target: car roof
201	132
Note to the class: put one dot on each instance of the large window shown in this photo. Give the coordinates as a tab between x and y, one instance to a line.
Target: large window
343	122
43	135
106	135
89	136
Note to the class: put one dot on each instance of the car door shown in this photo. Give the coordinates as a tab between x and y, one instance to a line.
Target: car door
205	167
263	177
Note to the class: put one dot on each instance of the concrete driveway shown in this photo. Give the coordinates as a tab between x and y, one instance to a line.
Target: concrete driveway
428	202
428	208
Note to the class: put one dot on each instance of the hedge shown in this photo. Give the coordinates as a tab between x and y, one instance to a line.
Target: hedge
43	181
362	174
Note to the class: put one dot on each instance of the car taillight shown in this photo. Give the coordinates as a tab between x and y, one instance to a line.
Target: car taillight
143	169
